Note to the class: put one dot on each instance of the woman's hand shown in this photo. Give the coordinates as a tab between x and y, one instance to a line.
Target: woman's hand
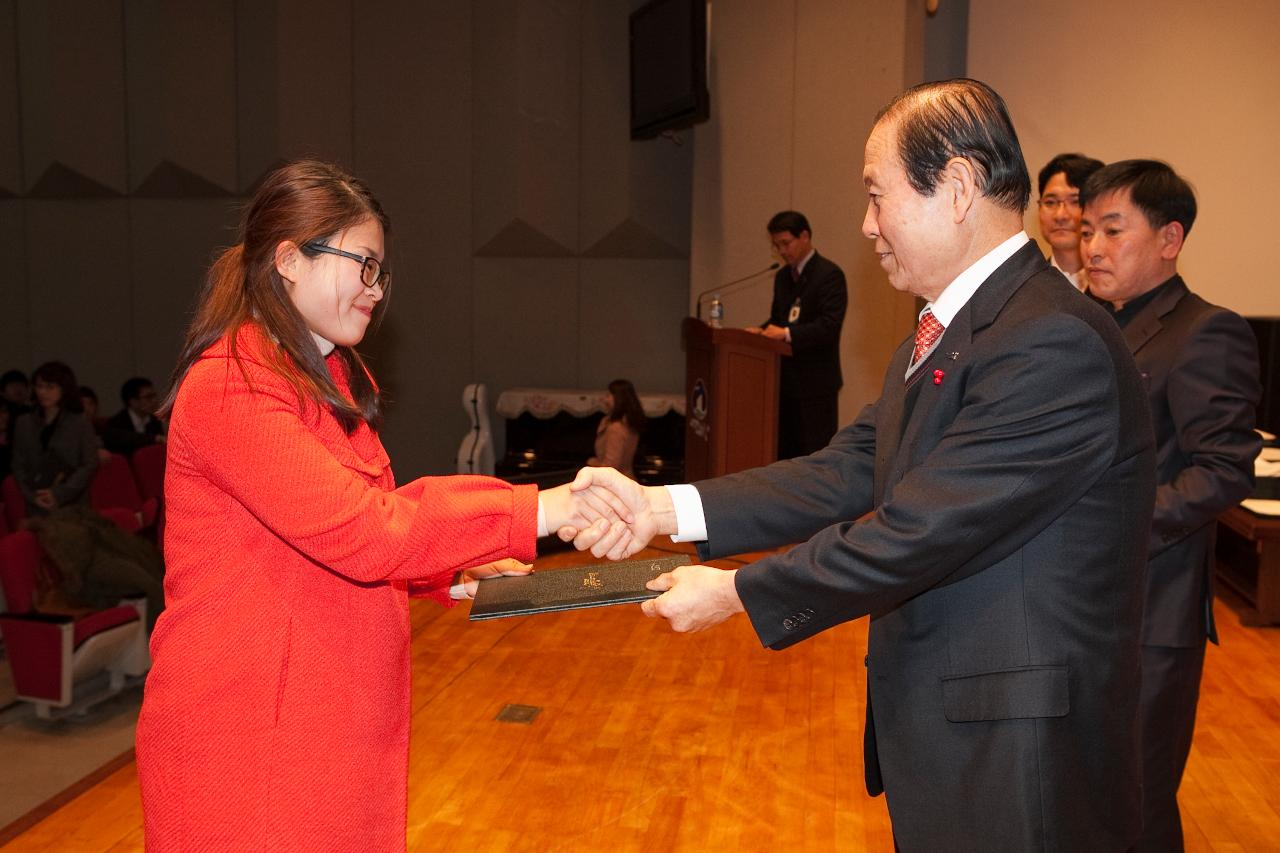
469	580
45	499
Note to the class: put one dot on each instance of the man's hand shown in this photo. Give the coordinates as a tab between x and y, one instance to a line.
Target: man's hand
468	581
648	513
776	333
694	598
578	506
45	500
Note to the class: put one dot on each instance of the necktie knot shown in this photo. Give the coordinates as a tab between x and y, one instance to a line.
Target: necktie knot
927	334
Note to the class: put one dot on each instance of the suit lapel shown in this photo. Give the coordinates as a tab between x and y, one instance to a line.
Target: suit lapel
951	354
1149	321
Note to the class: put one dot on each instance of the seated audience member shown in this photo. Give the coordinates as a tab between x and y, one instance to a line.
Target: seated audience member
15	392
89	399
136	425
54	449
619	430
1060	183
15	396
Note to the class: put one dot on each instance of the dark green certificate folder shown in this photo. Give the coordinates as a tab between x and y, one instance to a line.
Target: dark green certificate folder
570	589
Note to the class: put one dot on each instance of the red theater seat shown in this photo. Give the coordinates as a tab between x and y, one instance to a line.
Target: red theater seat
52	655
113	487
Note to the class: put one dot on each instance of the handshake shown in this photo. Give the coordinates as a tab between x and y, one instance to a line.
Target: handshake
615	517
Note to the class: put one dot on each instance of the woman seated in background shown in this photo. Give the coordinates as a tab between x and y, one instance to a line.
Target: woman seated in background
55	450
619	430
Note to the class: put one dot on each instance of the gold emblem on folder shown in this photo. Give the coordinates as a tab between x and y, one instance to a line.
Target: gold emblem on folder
592	581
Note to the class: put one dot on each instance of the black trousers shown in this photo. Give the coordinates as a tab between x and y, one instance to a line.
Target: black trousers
1170	692
806	425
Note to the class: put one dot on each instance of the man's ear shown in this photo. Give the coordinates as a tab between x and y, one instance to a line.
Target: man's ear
288	257
959	180
1171	237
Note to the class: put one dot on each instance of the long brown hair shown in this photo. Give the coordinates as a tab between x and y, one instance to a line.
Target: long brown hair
300	202
626	404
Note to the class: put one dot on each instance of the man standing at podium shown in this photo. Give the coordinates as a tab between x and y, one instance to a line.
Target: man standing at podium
990	513
809	300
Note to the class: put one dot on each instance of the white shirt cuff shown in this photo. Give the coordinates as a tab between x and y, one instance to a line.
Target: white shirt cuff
691	523
788	331
542	519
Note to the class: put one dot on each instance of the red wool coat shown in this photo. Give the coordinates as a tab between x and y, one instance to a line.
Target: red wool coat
276	715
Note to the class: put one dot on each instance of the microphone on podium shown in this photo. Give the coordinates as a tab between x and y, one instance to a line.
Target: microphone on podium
721	287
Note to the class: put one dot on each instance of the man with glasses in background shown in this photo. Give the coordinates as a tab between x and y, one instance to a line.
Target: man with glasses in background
1060	183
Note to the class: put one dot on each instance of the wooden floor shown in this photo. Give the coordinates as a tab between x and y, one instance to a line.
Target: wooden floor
651	741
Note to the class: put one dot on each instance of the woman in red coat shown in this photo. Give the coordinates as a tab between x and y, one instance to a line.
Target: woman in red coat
276	715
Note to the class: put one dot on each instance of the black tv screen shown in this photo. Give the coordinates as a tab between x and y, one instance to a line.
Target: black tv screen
668	66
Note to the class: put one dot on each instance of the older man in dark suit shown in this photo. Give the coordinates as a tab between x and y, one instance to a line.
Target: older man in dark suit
1199	367
1008	469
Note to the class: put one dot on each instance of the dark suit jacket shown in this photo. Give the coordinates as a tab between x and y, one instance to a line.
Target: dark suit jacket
813	368
1002	568
1199	364
65	466
119	436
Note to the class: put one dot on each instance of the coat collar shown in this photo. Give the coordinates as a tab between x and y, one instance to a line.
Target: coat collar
1148	322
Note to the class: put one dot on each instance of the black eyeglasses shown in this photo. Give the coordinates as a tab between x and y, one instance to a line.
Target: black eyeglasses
371	272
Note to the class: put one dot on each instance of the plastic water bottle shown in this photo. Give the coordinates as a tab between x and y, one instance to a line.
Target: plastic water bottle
716	314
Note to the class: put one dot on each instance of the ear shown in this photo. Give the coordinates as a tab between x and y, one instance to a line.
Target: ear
1171	237
960	182
287	258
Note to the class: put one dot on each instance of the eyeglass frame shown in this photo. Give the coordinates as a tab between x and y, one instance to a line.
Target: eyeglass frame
1053	203
383	278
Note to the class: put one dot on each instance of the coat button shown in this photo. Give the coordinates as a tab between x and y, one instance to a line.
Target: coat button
866	660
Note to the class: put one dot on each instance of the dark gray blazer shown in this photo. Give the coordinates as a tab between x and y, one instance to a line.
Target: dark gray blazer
66	466
813	368
1012	487
1199	364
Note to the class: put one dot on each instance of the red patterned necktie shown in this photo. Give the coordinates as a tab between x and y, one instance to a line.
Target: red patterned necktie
927	334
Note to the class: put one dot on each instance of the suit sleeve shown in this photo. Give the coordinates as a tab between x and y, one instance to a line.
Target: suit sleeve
1212	395
819	326
255	447
1027	442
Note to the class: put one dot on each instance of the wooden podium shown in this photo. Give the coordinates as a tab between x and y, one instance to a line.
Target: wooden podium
731	399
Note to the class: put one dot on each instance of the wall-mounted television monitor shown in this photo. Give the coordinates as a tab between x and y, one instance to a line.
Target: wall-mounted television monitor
668	66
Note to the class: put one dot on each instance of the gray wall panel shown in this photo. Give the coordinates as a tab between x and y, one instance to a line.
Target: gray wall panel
10	117
526	325
81	298
71	73
629	323
181	79
15	325
417	160
173	243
